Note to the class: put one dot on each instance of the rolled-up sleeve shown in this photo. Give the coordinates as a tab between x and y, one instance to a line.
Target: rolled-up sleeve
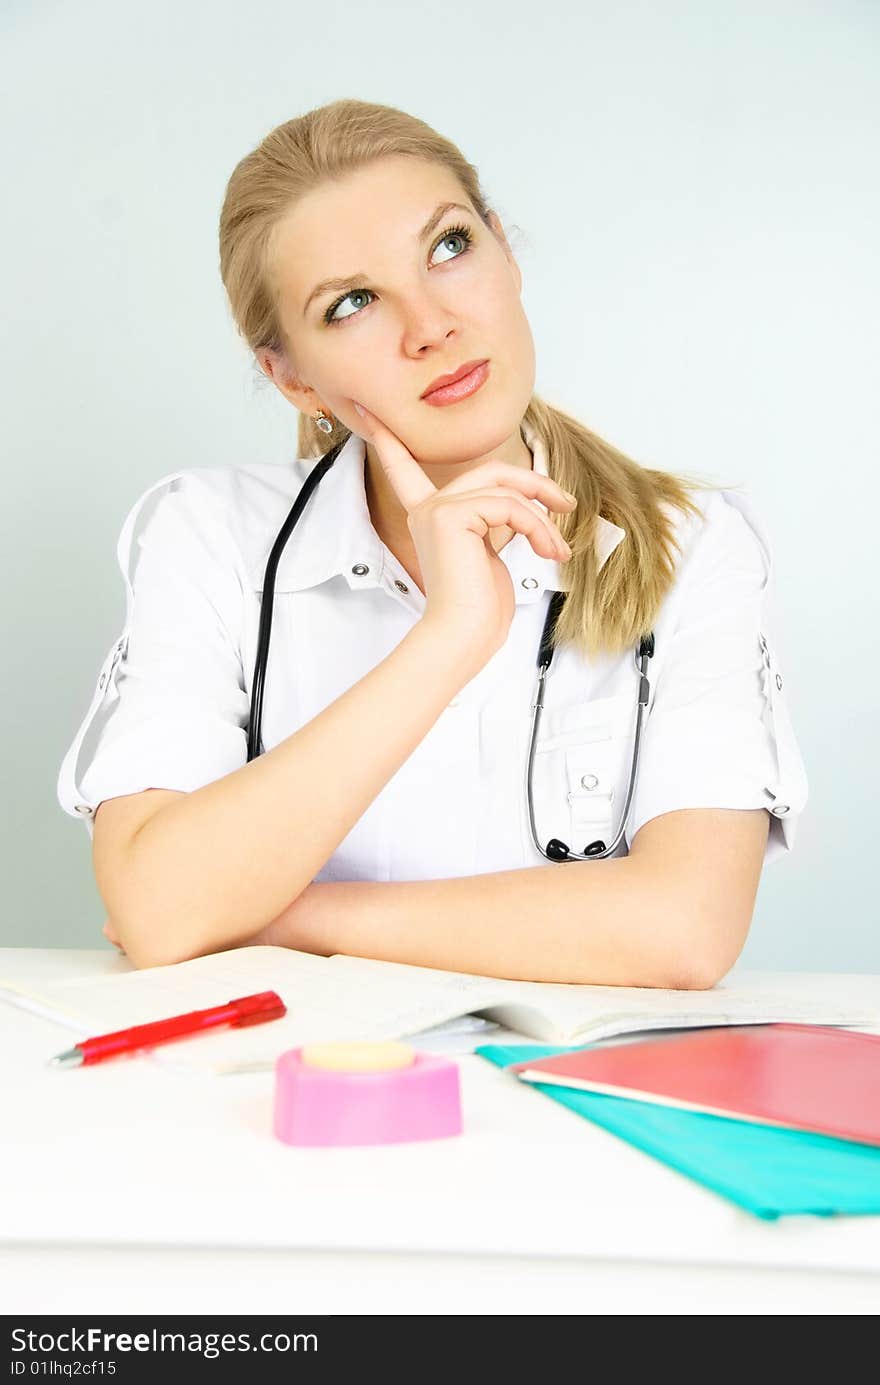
170	709
718	733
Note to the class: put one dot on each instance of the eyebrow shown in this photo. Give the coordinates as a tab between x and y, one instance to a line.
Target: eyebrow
330	285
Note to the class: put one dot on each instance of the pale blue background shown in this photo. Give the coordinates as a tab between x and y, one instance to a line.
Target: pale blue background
691	191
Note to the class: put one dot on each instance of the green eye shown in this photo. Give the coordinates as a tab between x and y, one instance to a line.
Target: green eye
462	233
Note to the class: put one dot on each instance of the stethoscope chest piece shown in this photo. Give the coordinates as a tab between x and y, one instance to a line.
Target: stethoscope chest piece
555	849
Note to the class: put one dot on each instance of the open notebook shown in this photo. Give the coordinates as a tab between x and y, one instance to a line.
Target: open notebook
343	997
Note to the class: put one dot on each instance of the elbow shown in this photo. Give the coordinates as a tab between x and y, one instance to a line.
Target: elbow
704	960
143	952
142	956
691	977
136	943
151	956
144	959
131	951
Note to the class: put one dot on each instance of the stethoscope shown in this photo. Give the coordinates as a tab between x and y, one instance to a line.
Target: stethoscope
555	850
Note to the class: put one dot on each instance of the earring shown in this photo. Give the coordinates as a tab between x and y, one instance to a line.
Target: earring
323	422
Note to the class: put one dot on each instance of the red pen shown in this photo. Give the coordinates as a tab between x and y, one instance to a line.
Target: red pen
249	1009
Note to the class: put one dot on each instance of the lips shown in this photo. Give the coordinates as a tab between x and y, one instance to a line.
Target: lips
456	375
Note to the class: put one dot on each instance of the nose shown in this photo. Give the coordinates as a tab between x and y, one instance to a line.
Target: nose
429	325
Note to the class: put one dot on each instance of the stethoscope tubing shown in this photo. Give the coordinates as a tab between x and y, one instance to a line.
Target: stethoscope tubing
264	634
555	851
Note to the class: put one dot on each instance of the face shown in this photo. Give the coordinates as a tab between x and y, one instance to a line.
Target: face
405	311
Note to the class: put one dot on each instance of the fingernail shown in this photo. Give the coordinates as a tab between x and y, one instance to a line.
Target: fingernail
568	495
358	407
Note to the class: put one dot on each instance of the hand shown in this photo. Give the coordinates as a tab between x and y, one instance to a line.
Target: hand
467	587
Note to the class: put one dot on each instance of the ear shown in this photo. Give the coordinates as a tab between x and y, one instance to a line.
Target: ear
276	367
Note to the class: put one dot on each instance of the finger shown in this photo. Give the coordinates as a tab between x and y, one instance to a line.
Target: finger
501	507
408	480
529	483
559	544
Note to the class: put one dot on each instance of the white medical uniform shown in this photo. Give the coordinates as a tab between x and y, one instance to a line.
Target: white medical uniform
172	701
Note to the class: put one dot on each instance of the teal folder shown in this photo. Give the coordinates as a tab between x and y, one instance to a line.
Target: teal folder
769	1171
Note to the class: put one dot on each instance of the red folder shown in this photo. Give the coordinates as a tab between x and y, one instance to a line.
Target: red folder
801	1076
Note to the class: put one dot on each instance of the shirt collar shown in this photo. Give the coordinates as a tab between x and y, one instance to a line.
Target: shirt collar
334	535
606	536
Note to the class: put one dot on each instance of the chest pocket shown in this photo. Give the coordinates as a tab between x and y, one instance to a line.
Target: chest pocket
581	769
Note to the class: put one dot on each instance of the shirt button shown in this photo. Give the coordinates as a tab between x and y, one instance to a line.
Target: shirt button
360	569
779	681
102	680
779	810
82	808
529	582
589	781
401	586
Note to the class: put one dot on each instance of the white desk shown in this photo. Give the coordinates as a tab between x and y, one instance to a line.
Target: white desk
131	1188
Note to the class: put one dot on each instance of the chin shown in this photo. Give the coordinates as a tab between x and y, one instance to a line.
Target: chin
461	442
474	431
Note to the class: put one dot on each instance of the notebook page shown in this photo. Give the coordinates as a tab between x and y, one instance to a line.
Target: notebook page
336	998
343	997
567	1014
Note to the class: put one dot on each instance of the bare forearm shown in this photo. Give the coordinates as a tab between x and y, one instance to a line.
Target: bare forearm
211	868
597	922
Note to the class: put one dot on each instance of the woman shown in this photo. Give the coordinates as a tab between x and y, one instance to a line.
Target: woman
387	814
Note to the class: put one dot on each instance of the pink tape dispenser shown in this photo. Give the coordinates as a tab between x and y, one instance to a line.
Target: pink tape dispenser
365	1094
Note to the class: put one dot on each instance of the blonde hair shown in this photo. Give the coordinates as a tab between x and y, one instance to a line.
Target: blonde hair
605	611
